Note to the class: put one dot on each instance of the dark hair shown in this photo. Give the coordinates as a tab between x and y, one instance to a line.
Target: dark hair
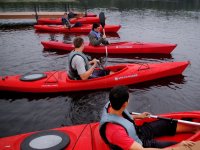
78	41
118	96
95	25
65	13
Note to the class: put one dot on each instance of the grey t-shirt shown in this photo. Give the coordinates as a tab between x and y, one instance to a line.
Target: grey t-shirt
78	64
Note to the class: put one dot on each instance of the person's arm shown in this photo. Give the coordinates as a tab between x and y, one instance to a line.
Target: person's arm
142	115
87	74
94	41
104	34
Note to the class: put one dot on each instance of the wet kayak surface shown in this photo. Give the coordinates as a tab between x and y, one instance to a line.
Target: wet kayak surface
22	52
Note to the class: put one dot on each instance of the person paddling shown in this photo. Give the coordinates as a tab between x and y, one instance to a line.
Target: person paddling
118	130
66	21
79	67
95	37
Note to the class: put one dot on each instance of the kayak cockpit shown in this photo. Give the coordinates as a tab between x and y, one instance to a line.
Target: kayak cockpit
111	71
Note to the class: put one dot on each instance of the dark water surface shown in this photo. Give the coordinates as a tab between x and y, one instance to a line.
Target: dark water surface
144	21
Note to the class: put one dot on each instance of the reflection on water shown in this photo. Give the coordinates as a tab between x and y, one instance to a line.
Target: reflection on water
169	82
188	5
10	25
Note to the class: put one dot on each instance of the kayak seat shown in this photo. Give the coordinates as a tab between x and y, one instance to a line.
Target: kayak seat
32	77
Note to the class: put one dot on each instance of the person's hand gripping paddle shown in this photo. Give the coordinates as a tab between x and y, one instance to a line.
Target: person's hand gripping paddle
102	19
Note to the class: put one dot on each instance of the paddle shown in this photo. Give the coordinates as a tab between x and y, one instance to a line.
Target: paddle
85	11
102	19
101	65
65	7
36	14
170	119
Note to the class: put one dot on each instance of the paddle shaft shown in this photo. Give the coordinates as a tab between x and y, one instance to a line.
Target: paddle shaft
102	22
170	119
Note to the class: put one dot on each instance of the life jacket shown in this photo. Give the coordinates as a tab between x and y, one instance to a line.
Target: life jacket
96	34
126	122
73	73
65	21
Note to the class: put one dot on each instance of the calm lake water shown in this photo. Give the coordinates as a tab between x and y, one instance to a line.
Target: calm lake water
161	21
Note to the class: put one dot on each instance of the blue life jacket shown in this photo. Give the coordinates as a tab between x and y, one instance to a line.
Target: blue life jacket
65	21
73	73
126	122
96	34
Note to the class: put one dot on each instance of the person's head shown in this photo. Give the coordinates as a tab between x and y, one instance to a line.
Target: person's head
78	42
65	14
96	27
118	97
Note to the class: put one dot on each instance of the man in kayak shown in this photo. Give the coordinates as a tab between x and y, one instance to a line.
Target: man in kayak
66	22
78	64
95	37
118	130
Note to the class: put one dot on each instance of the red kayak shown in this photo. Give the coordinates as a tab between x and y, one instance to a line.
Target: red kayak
85	28
86	136
58	21
58	81
115	48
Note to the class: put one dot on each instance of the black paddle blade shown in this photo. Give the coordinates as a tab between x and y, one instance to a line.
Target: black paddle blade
102	19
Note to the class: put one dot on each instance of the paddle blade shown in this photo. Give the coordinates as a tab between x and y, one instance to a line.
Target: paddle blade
102	19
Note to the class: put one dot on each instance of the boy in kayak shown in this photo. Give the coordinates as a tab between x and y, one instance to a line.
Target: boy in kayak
95	37
66	21
118	130
78	64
